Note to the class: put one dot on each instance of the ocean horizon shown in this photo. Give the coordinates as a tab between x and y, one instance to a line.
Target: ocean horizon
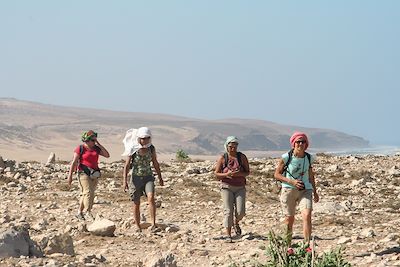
385	150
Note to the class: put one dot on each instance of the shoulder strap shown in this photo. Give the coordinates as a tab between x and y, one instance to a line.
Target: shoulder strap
309	158
225	160
152	149
239	158
80	151
290	153
80	157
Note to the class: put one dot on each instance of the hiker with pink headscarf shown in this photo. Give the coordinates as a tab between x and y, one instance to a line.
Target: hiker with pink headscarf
296	174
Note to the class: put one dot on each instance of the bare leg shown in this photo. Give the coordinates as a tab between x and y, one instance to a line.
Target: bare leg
229	231
152	207
289	220
81	207
136	213
306	214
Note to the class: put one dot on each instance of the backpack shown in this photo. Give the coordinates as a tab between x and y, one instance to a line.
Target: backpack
226	159
134	154
80	156
290	159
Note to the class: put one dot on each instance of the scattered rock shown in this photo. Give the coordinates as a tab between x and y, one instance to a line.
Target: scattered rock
16	243
102	227
157	260
51	159
59	243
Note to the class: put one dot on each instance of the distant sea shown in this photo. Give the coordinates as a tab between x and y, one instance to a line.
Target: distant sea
373	150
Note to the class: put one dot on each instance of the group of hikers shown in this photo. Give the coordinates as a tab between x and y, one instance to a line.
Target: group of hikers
294	171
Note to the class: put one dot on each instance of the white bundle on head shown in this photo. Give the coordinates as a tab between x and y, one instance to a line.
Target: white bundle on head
131	140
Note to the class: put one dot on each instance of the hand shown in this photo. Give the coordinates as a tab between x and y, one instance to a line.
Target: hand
161	181
126	187
70	182
231	173
298	184
316	197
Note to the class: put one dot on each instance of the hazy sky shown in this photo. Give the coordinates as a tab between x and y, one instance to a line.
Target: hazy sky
323	64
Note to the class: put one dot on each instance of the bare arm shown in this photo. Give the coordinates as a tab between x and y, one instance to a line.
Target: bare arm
156	166
72	168
311	176
126	171
103	151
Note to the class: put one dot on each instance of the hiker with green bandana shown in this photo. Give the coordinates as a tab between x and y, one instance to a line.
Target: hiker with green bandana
85	163
231	169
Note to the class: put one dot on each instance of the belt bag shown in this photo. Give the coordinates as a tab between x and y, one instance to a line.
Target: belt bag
92	173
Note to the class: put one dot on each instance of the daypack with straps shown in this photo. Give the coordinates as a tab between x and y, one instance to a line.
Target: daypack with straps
290	159
152	148
88	171
80	157
226	159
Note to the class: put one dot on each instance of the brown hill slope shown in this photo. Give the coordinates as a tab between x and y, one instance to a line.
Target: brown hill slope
29	128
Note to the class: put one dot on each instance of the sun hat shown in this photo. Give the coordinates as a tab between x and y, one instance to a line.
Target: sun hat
143	132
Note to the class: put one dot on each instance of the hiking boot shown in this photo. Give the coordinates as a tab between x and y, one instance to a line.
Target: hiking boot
79	216
137	232
227	239
89	216
237	229
154	229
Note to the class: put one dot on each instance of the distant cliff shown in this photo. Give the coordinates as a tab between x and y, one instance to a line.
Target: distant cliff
29	126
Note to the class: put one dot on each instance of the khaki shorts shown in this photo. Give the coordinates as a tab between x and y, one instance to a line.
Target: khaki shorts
291	197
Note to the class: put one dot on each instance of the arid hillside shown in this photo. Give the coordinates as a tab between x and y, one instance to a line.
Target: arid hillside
28	128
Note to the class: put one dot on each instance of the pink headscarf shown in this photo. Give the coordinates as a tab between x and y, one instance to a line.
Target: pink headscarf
298	135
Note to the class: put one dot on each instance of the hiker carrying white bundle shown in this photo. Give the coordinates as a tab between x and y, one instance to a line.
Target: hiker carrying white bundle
296	174
140	153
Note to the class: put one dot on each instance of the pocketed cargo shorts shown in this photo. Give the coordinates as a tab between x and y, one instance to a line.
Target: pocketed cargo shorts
141	185
290	198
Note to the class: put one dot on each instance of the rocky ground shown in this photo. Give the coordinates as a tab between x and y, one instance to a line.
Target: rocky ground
359	207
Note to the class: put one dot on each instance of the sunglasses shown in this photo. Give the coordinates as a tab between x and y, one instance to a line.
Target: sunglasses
90	133
232	145
145	138
300	142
